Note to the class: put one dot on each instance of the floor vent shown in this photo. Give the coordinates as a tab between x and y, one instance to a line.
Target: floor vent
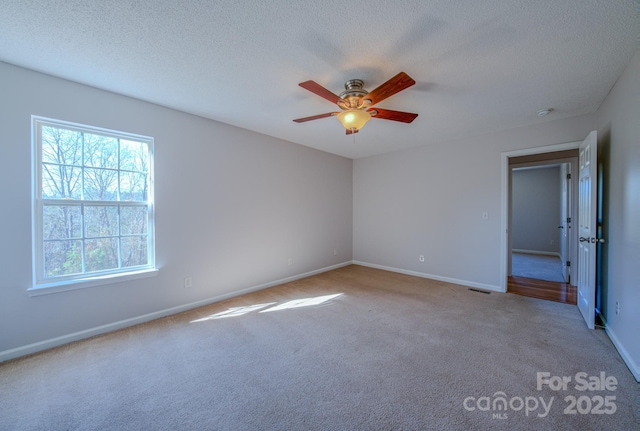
479	291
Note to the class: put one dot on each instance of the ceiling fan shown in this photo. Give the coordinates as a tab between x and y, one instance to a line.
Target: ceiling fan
357	104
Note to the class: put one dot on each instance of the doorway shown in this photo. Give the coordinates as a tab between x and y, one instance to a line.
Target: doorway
539	203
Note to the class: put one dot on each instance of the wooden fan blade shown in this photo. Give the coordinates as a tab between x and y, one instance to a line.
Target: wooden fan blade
314	117
351	132
389	88
318	89
388	114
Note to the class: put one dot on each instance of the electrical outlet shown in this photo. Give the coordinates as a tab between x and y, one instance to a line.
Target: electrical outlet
335	251
617	308
188	282
421	258
290	261
552	242
485	216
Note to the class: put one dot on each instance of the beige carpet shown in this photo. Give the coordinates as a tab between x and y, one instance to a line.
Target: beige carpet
390	352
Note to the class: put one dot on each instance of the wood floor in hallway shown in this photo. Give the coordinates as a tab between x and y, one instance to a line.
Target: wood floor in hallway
549	290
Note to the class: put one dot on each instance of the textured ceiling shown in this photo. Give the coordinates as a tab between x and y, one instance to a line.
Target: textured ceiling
479	66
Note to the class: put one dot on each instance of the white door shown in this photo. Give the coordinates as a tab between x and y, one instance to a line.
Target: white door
587	208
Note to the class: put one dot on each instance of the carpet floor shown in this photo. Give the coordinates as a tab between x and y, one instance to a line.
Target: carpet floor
351	349
537	266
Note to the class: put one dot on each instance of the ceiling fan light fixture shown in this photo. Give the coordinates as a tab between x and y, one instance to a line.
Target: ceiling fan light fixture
353	119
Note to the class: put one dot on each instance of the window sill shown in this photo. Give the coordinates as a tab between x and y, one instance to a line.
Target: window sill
64	286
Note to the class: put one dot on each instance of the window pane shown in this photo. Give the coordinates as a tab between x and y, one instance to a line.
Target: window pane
60	182
134	156
100	221
133	186
61	146
62	222
100	151
133	220
101	254
62	258
100	184
134	251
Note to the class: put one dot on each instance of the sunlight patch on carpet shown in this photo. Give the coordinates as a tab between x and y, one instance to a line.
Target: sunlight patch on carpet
295	303
233	312
306	302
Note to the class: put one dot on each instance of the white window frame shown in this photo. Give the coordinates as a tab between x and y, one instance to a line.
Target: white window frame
44	285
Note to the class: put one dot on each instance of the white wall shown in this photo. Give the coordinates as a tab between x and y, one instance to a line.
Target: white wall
430	200
619	152
536	209
231	207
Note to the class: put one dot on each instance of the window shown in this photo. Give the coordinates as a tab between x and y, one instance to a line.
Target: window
93	205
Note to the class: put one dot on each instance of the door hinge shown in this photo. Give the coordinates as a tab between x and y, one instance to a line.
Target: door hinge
568	263
568	176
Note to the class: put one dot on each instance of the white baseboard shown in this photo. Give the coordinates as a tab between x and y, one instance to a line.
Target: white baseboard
432	277
626	357
80	335
541	253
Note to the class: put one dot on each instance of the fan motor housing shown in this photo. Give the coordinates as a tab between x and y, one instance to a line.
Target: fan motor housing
352	95
353	88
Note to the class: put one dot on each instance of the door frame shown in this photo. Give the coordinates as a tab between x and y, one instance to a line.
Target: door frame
505	201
